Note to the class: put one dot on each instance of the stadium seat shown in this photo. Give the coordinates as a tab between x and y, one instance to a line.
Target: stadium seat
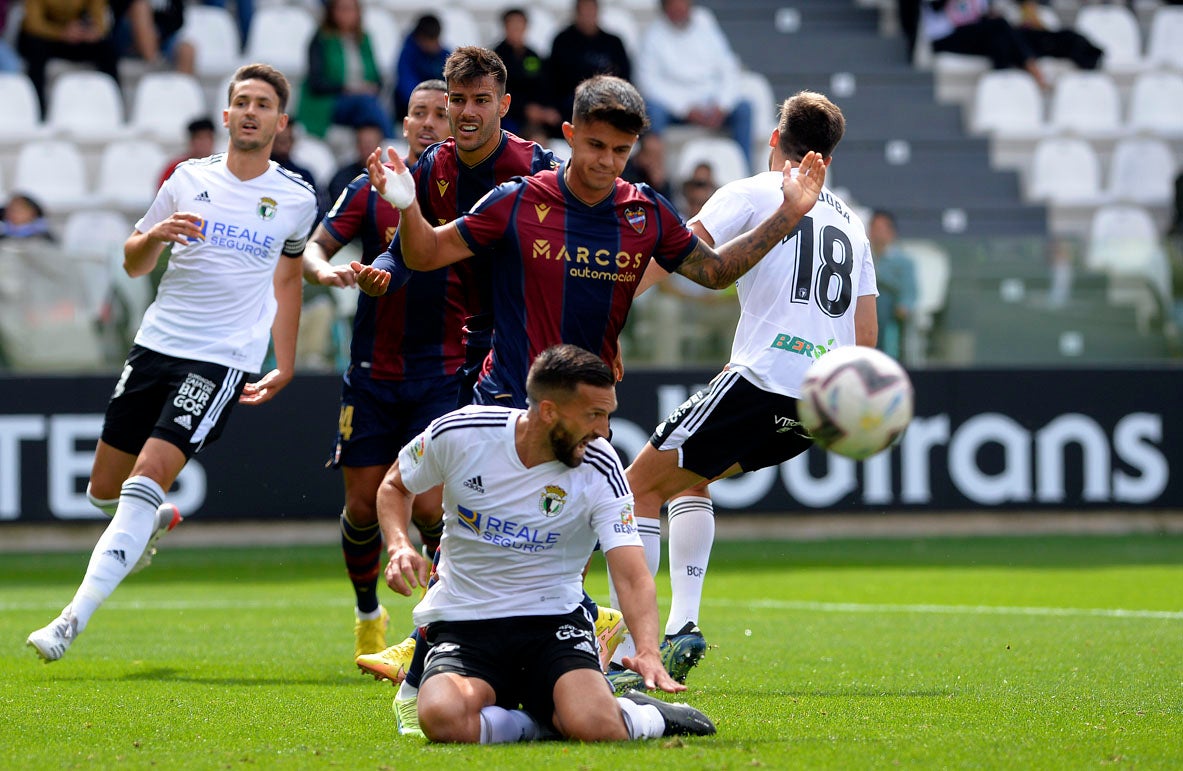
1124	243
758	91
1155	104
459	27
279	35
128	173
20	120
316	156
86	106
1086	103
933	270
163	105
1065	170
386	36
1142	171
1008	103
214	33
724	156
1165	47
95	233
52	171
1113	28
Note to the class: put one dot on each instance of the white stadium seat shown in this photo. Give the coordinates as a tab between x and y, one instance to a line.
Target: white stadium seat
1114	29
723	155
164	104
386	37
1065	170
20	120
1142	171
96	232
1124	243
316	156
758	91
1155	104
52	171
1165	47
214	33
1007	102
128	173
458	27
1086	103
86	106
280	35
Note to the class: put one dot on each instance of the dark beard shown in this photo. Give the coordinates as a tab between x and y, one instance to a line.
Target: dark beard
563	445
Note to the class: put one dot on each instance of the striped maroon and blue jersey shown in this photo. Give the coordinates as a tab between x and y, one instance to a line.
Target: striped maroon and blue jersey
563	271
446	187
410	333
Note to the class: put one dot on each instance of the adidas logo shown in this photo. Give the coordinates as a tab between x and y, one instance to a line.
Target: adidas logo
184	421
202	197
475	484
116	554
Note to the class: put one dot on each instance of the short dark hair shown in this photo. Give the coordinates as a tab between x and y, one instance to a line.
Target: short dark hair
435	84
510	12
561	369
471	63
428	25
199	125
267	74
885	214
809	121
611	100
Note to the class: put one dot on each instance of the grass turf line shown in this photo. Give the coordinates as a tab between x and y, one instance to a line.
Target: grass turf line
835	654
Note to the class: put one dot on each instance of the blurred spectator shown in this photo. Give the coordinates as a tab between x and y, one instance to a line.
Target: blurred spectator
201	145
149	29
647	165
343	82
23	217
527	80
582	50
895	274
281	153
701	88
365	139
971	27
10	61
697	189
422	58
76	30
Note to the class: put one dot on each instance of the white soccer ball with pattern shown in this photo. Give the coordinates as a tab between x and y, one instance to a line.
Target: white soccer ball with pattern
856	401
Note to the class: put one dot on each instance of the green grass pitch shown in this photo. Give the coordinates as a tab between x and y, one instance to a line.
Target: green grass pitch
1009	653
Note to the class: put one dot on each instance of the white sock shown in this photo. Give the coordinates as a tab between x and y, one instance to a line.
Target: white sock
642	720
105	505
373	614
500	725
119	547
407	691
692	532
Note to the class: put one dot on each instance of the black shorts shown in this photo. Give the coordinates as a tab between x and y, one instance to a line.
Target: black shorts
521	658
732	421
184	402
378	417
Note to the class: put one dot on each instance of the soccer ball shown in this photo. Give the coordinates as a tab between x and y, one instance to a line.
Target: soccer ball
855	401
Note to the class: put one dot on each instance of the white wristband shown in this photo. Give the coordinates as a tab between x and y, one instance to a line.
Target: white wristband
400	188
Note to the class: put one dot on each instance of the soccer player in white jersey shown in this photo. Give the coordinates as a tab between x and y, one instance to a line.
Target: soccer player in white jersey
527	493
237	224
813	292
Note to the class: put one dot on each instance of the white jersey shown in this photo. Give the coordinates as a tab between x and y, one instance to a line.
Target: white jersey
216	301
798	301
515	539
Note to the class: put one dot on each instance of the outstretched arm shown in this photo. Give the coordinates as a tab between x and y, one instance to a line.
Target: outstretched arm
719	269
423	247
638	603
317	268
406	568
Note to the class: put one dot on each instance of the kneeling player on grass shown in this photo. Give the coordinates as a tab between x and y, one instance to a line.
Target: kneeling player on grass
527	493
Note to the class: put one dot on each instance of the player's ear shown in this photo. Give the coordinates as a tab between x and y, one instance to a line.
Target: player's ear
568	132
505	100
548	410
774	140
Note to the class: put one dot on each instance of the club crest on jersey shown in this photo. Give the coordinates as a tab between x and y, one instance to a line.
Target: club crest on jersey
636	217
553	500
442	184
541	210
267	207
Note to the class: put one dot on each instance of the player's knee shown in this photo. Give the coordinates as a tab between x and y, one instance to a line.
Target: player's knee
443	721
360	509
593	725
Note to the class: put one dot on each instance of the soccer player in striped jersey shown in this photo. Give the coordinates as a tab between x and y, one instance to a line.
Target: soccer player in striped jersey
237	224
815	291
569	247
404	352
527	494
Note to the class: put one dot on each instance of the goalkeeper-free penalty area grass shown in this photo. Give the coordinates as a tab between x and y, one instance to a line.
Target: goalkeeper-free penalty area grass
1009	653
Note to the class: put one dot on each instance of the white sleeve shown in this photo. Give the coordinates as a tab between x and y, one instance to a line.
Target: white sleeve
725	215
866	282
614	523
163	206
422	462
294	245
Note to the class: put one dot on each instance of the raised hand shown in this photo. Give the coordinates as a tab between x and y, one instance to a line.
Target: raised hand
397	186
801	186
